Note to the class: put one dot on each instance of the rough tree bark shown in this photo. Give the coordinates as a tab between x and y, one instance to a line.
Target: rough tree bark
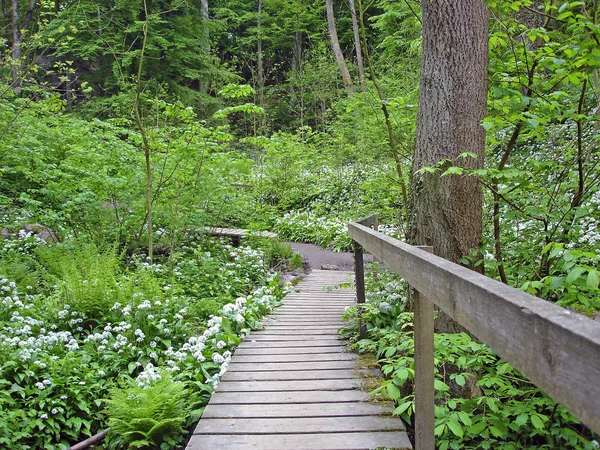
359	58
17	43
260	64
206	40
337	51
447	210
16	49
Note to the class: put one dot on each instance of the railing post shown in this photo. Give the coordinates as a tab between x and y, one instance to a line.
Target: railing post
424	371
359	279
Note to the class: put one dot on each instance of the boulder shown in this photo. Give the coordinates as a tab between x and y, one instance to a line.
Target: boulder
42	232
329	267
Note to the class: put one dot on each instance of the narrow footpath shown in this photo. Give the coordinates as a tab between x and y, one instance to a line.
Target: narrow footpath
294	385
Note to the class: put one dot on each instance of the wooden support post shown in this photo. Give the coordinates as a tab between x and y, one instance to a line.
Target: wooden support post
424	371
359	279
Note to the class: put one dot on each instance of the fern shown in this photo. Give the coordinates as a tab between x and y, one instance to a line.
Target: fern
147	417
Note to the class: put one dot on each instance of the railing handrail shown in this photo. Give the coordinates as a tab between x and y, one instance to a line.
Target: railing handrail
557	349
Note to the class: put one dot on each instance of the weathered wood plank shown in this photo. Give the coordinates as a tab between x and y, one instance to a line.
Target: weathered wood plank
424	371
288	344
236	366
289	375
263	398
295	331
254	350
308	326
555	348
296	337
319	441
298	425
340	384
259	359
296	410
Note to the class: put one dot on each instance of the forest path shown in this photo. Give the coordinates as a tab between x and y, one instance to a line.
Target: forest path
294	385
316	256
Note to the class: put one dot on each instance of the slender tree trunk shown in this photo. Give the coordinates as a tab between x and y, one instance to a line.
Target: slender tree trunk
337	51
29	15
145	143
16	49
206	41
359	58
298	93
260	62
447	211
388	121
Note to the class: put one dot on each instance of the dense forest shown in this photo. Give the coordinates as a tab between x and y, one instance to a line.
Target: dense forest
128	127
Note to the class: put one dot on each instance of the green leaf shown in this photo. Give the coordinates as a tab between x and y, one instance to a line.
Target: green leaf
521	419
592	279
574	274
402	408
537	422
455	427
464	418
499	426
460	379
393	391
477	428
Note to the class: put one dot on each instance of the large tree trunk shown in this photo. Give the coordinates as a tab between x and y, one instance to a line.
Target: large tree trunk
359	58
16	49
447	210
337	51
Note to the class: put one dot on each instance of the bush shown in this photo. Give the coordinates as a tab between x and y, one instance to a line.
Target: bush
147	414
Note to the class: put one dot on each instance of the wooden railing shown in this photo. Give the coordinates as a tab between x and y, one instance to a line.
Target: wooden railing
557	349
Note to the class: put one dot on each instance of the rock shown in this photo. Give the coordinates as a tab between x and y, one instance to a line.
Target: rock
329	267
5	233
42	232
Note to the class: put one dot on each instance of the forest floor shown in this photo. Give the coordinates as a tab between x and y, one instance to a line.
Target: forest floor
316	257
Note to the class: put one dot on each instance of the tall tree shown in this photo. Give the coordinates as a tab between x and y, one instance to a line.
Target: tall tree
17	43
357	46
447	210
16	48
337	50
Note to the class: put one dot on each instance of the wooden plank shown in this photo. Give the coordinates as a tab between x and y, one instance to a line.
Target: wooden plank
296	385
292	321
295	331
263	398
555	348
294	358
306	326
298	425
253	350
424	371
294	337
316	320
309	314
289	375
236	366
288	344
296	410
320	441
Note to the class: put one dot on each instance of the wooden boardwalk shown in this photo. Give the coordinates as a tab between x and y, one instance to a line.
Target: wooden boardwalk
294	385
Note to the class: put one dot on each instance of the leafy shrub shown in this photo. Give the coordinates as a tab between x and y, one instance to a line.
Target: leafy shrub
54	373
86	277
147	416
322	231
482	402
